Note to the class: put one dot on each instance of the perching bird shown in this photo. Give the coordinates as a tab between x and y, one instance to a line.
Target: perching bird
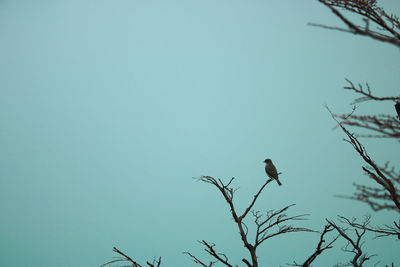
271	171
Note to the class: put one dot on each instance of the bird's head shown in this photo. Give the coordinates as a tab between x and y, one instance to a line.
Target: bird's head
267	161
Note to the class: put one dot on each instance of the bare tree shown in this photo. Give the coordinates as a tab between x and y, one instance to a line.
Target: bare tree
385	193
386	28
268	225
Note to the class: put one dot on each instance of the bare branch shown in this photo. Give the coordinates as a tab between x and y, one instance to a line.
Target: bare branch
268	226
274	220
196	260
255	199
373	197
320	247
373	169
370	12
387	230
219	256
367	94
377	197
354	245
386	126
124	258
153	264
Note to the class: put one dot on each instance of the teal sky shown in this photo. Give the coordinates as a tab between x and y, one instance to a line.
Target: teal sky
109	108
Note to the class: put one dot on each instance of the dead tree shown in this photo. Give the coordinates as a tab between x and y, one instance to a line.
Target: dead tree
268	225
385	193
384	27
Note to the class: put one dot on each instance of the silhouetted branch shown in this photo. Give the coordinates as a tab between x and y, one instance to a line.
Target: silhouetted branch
321	247
127	259
196	260
367	93
273	221
219	256
268	226
228	193
153	264
385	194
386	126
354	245
372	170
387	230
255	199
370	12
377	198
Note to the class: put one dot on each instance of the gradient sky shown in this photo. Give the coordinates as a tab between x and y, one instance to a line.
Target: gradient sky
108	109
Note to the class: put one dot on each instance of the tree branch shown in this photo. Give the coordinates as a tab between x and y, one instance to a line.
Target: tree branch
124	258
375	172
274	221
359	257
320	247
196	260
370	12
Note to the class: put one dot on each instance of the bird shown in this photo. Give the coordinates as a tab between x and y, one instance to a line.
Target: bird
271	171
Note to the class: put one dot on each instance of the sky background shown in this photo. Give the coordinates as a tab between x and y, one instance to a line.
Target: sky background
108	109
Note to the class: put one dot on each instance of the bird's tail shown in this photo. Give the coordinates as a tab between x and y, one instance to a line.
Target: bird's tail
279	182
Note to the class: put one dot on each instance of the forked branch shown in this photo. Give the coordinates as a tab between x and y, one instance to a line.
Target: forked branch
273	223
386	230
321	247
126	258
354	244
370	12
372	169
366	92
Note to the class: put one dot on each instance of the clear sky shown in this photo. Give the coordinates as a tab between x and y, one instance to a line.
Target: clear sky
109	108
